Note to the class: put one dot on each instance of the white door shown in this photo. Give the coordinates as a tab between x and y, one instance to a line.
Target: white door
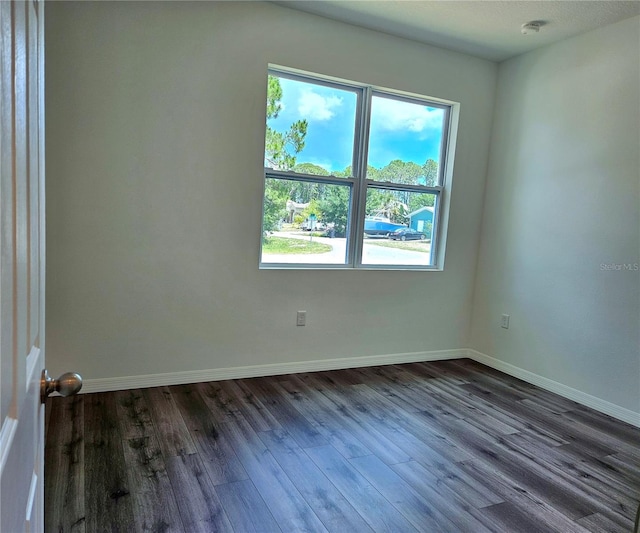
22	265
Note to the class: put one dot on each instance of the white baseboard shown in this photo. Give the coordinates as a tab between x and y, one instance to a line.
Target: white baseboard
218	374
611	409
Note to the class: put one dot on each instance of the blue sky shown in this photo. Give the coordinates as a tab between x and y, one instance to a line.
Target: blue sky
399	130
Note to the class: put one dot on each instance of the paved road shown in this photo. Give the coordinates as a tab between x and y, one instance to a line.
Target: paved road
371	254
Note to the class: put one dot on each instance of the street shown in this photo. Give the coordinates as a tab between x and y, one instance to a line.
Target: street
372	254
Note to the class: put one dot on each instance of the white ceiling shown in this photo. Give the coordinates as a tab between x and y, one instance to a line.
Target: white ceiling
483	28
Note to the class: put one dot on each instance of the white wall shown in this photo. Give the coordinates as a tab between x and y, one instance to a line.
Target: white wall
562	199
155	128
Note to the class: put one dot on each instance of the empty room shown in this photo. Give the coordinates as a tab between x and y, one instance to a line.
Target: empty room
322	266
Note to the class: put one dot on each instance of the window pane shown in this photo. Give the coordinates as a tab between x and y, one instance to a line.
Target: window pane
405	141
398	228
310	127
305	222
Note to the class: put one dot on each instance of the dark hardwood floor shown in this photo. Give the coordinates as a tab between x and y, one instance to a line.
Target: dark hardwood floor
446	446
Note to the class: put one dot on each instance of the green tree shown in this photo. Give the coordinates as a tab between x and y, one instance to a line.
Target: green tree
274	96
420	200
275	201
388	204
311	168
397	211
333	202
405	172
281	148
346	173
335	208
303	192
376	200
313	209
430	170
373	173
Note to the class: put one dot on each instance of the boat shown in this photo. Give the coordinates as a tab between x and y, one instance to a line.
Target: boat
377	225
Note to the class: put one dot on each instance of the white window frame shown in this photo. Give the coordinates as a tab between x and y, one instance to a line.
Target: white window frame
359	183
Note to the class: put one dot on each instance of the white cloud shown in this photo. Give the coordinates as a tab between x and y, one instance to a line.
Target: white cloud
393	115
317	107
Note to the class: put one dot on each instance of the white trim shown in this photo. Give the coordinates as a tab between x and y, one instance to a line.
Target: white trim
32	497
7	434
32	360
217	374
621	413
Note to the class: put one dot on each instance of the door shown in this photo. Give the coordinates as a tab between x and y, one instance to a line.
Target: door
21	265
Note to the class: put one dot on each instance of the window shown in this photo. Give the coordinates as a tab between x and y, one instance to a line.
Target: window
354	175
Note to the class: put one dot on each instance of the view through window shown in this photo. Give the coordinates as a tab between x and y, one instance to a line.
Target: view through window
353	175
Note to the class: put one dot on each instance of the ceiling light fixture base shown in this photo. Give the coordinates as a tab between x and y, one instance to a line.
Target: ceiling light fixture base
530	27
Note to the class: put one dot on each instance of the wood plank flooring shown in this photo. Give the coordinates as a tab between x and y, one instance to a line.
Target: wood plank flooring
449	446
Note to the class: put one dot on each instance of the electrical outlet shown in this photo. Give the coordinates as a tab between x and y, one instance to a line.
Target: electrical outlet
301	318
504	322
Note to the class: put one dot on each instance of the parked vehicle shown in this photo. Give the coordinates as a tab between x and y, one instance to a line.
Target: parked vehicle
313	225
407	234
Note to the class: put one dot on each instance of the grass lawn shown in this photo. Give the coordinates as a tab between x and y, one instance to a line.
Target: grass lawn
416	246
282	245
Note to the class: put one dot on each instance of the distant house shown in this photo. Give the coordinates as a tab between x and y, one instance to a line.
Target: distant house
293	209
422	220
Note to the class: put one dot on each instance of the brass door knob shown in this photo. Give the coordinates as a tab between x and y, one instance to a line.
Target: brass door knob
67	384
